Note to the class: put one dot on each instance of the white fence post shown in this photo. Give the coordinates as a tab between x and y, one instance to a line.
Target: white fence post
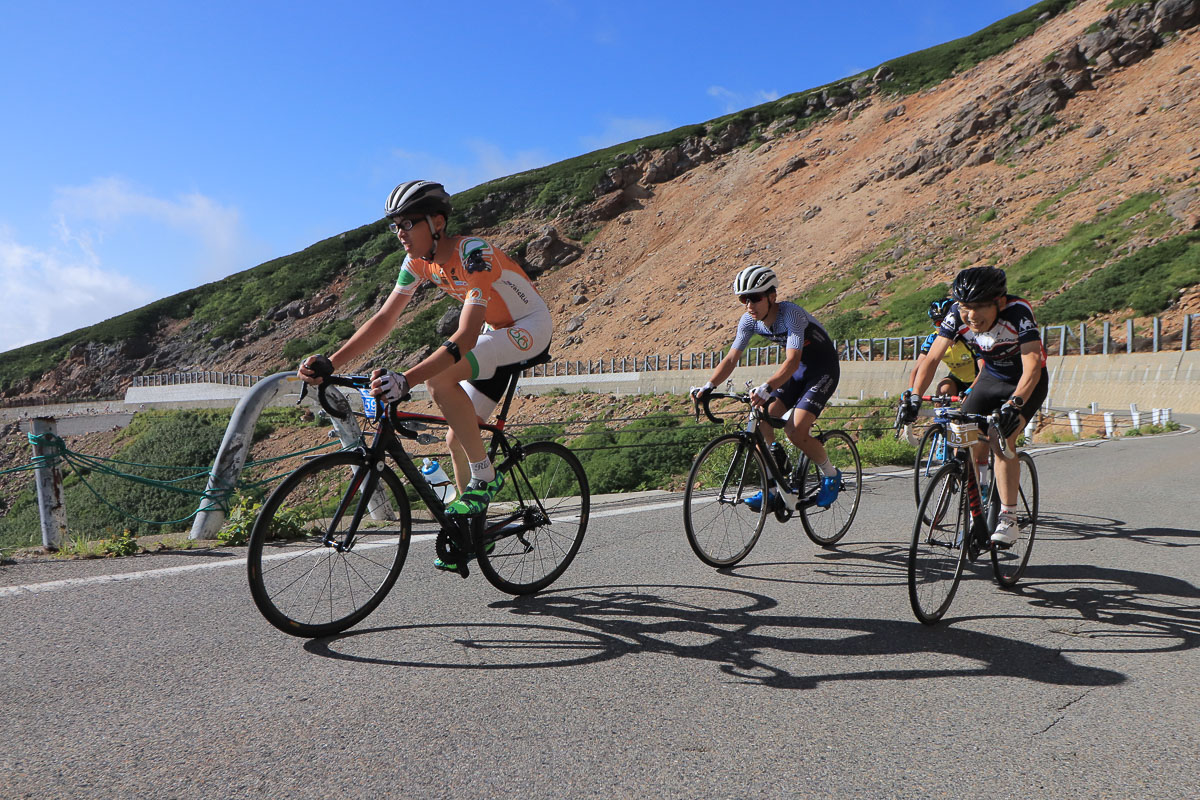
1075	426
1108	424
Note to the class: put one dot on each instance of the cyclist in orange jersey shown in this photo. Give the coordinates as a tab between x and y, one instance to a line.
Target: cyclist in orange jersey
503	321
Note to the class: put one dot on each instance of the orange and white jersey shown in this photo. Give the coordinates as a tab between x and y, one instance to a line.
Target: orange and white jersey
477	274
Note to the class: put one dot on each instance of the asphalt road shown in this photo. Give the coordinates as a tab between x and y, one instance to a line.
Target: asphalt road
643	673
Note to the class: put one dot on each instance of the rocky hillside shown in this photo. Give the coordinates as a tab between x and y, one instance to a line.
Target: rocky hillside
1062	144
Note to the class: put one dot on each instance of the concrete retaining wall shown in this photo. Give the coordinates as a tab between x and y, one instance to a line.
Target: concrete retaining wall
1152	380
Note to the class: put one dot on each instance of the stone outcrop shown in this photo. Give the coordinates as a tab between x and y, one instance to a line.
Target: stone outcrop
548	250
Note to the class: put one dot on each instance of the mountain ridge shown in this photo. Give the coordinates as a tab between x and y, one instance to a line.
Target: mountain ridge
864	198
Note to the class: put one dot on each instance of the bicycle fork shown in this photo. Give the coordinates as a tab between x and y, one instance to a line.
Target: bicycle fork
366	479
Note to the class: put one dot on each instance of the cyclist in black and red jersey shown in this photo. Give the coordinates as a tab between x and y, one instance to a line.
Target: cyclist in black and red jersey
805	380
1014	379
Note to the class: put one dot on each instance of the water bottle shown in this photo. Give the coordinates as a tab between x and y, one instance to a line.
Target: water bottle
443	487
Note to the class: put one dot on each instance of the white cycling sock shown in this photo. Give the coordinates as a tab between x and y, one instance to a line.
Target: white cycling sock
984	477
483	469
827	469
1008	509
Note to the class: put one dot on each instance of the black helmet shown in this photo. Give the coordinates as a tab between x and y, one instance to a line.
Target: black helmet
979	284
939	308
418	198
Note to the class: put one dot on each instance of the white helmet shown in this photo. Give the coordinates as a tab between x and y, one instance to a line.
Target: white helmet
755	279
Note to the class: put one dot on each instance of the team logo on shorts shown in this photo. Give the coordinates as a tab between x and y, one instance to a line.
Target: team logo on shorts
521	338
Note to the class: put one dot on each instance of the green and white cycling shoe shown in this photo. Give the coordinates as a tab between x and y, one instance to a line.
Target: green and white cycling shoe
447	567
476	497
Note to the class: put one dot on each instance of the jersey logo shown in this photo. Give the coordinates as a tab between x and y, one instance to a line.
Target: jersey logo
475	295
474	254
521	338
1027	324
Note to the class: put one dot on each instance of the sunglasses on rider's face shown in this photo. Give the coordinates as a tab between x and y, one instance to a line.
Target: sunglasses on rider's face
751	298
398	225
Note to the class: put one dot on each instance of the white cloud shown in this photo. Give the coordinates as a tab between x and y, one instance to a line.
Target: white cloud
732	101
486	161
623	129
90	214
46	294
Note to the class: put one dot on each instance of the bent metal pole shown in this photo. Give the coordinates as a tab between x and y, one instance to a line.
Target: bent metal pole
239	435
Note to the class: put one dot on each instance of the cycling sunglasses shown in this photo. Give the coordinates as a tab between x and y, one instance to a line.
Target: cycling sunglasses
398	225
751	298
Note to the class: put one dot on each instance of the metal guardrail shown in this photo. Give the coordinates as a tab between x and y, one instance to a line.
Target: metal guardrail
184	378
1060	340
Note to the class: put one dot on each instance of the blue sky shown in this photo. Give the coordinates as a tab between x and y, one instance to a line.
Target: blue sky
150	147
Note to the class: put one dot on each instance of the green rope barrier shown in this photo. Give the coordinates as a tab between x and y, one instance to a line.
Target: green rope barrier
56	452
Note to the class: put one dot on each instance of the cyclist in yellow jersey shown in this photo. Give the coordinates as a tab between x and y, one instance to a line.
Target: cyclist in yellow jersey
960	359
495	292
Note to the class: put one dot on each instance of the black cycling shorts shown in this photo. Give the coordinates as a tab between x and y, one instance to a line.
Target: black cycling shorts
811	391
990	393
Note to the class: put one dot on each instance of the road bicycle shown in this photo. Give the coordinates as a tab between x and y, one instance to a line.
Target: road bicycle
722	528
330	541
953	525
931	447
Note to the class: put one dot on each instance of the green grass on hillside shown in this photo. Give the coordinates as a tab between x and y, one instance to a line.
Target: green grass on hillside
927	67
1147	281
1086	246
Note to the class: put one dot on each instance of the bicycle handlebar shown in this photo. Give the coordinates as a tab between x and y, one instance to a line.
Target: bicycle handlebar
899	423
989	420
701	404
358	382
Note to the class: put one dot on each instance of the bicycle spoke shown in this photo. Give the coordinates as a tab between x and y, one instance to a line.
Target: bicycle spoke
937	553
308	588
721	527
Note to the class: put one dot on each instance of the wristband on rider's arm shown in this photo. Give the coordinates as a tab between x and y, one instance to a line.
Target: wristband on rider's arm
452	349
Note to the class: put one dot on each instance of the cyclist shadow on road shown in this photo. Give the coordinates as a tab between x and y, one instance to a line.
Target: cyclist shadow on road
1067	527
740	632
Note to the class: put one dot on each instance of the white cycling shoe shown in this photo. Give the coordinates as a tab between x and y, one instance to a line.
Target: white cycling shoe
1008	530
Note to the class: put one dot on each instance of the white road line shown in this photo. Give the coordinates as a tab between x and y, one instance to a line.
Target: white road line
68	583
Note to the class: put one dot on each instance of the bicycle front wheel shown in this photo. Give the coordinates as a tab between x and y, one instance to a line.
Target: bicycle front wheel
535	525
931	455
938	551
1009	563
721	527
826	526
304	578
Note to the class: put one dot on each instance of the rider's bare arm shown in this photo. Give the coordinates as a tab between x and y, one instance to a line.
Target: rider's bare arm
1031	369
470	321
366	337
923	373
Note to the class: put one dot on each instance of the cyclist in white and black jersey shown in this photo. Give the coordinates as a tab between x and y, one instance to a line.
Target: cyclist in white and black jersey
1013	381
805	380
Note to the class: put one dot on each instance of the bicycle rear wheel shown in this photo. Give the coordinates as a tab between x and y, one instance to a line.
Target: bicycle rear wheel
535	525
307	587
720	527
931	455
937	553
1009	563
826	526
